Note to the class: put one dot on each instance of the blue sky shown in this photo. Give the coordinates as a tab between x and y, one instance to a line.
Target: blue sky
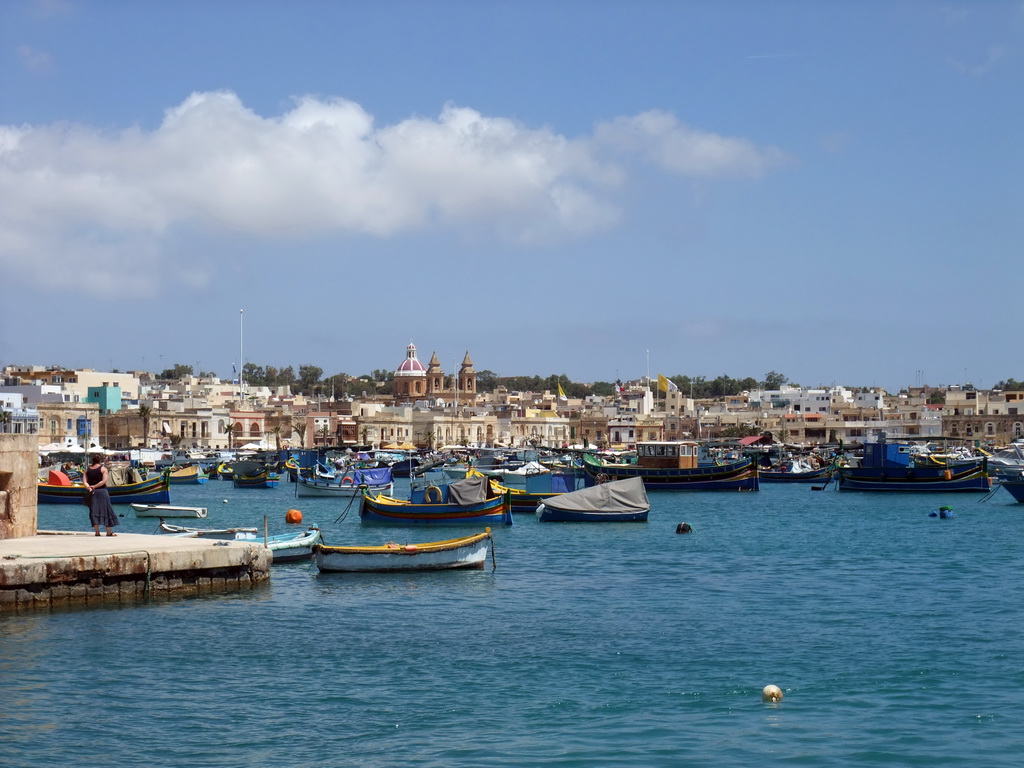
834	191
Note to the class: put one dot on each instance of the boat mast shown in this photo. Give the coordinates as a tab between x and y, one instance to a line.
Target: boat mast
241	361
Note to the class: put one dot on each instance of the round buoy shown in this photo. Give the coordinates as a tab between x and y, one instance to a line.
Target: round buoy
771	693
293	516
684	528
225	501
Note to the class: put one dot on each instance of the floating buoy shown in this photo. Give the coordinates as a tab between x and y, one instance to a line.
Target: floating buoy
684	528
945	512
771	693
225	501
293	516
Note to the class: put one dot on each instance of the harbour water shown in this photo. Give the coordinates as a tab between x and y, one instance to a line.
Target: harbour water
896	638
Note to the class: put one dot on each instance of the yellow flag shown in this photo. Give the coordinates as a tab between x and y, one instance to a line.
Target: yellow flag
561	392
662	383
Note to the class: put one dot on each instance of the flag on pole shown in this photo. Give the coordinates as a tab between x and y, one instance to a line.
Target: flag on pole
561	392
666	384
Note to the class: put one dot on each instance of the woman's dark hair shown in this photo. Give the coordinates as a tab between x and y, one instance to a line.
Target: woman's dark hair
97	458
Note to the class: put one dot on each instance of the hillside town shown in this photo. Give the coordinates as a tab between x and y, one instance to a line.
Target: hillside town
430	409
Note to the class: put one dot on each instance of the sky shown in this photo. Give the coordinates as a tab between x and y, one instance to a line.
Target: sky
603	190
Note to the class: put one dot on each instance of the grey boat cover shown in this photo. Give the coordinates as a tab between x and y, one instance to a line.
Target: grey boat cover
472	490
627	495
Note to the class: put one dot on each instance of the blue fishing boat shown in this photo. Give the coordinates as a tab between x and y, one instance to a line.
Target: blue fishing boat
1015	488
465	502
676	466
190	474
155	490
891	466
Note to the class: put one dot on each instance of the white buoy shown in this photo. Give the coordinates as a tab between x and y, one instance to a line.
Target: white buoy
225	501
771	693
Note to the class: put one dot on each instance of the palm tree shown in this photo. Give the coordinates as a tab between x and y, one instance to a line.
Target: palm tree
276	431
299	428
144	412
5	420
230	429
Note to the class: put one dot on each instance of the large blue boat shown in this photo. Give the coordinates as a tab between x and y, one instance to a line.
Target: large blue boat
890	466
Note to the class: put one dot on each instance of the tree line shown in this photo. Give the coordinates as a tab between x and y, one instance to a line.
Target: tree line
311	382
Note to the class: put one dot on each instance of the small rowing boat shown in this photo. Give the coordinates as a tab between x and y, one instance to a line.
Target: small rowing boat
465	552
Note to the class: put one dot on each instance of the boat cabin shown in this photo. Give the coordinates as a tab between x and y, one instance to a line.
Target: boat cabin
674	454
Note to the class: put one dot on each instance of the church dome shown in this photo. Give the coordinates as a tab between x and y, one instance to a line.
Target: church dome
411	366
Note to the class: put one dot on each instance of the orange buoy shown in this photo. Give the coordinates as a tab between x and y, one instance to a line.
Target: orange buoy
293	516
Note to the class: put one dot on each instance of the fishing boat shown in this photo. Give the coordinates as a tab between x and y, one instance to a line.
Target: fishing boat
465	552
676	466
285	547
463	502
796	471
617	501
155	490
890	466
348	484
190	474
538	488
251	474
167	510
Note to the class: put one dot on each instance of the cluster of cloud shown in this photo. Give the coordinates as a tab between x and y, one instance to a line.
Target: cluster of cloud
79	194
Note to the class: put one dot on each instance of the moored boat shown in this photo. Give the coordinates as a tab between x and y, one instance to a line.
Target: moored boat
617	501
890	466
465	552
468	501
190	474
155	490
285	547
675	466
348	484
1015	488
167	510
251	474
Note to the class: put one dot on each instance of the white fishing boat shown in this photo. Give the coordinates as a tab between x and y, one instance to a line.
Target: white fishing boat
167	510
465	552
285	547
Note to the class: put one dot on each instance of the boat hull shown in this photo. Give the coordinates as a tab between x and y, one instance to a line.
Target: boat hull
972	478
732	476
813	476
467	552
284	547
166	510
377	509
307	487
155	490
190	475
1015	488
261	480
547	515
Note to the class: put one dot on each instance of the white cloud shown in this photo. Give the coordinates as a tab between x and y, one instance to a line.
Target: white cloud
75	195
35	61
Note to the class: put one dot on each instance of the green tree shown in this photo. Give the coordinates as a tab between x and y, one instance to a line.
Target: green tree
230	430
309	378
179	371
773	380
145	413
298	427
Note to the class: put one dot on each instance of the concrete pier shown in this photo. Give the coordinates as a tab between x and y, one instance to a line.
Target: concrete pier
54	569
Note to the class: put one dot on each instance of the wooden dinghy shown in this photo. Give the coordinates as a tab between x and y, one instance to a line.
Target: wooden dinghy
167	510
465	552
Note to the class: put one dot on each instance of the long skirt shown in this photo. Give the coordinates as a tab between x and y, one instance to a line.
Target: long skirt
101	511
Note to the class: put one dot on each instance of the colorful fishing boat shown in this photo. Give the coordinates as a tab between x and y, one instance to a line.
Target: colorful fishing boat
190	474
617	501
347	484
890	466
538	488
465	552
464	502
251	474
675	466
285	547
155	490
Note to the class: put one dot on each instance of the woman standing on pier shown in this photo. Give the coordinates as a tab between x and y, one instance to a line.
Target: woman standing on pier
101	511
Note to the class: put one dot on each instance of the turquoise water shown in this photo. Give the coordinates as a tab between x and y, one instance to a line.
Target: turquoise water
896	637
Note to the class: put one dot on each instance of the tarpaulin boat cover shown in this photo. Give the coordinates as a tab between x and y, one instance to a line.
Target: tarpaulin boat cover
472	490
626	495
57	477
375	476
